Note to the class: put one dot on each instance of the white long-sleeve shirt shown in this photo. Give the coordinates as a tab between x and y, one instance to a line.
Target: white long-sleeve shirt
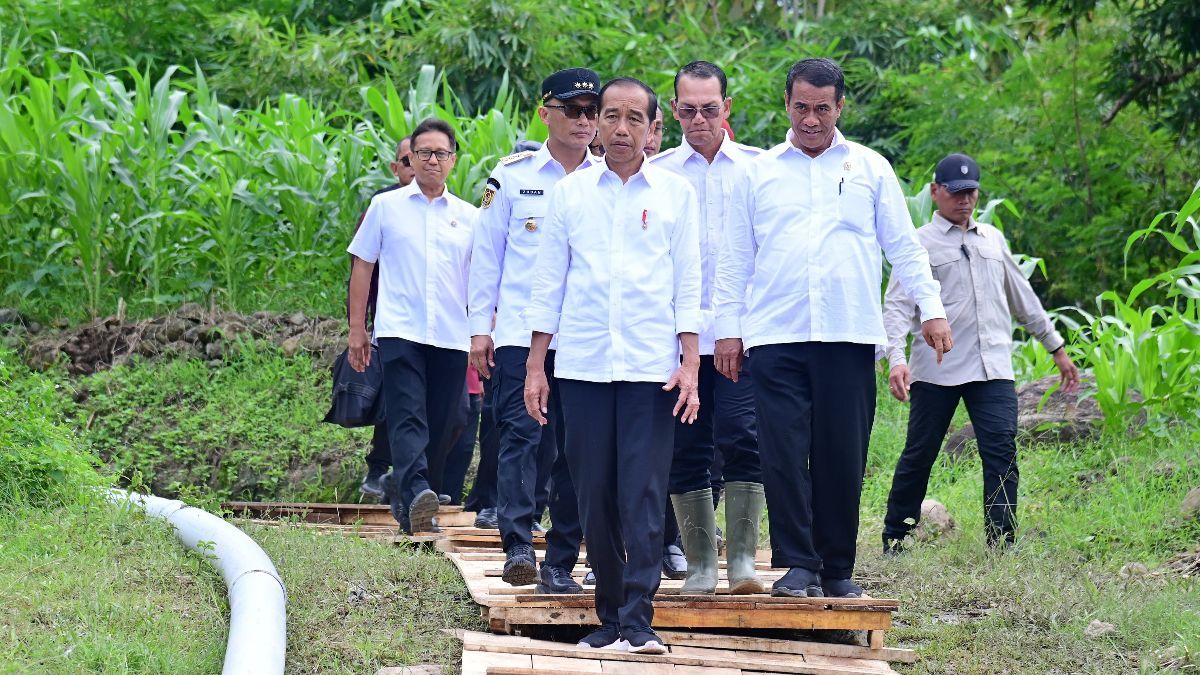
618	274
805	233
506	243
423	250
713	184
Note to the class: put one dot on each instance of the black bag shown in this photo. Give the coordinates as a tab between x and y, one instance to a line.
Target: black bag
357	397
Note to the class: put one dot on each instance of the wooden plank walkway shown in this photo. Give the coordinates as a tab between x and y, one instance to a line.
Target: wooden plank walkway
511	610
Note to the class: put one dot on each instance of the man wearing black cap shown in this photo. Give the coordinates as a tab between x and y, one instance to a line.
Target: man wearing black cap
515	201
981	288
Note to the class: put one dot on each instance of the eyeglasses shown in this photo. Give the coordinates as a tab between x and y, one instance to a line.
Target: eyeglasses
424	155
574	111
687	112
404	161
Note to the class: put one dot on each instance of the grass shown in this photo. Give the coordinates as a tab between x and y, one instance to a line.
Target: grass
81	583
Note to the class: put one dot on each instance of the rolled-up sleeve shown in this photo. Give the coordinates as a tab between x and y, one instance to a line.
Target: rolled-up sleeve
685	256
898	311
553	260
1024	305
897	237
735	262
487	264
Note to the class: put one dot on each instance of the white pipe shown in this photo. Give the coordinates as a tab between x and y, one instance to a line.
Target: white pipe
257	598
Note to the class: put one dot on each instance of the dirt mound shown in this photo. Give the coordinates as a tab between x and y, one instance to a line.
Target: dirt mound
190	332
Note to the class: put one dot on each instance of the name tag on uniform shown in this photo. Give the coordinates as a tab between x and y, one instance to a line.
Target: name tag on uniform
535	193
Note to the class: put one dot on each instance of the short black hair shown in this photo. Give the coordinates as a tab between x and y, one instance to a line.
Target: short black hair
702	70
434	124
400	144
651	109
819	73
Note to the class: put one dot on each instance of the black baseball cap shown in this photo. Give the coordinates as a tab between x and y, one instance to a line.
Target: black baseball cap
570	83
957	172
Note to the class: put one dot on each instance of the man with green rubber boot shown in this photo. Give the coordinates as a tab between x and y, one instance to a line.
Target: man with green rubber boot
709	159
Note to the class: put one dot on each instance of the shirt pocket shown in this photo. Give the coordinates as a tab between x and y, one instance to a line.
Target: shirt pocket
947	265
856	207
991	263
526	220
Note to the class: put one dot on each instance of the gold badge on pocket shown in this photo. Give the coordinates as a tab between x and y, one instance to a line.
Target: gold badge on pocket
531	225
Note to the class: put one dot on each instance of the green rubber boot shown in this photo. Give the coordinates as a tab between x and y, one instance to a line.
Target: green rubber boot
744	504
698	526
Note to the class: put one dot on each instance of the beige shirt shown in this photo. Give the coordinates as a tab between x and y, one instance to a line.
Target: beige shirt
982	290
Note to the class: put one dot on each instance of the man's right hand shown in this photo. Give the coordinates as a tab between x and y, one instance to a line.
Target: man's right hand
899	381
727	357
483	354
537	393
360	349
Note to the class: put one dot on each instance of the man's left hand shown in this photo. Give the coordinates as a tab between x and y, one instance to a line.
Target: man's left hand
937	335
1068	373
687	378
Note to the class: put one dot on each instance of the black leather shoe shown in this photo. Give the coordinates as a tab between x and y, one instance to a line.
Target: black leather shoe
487	519
674	564
798	583
521	567
892	547
444	499
537	528
589	579
372	486
422	511
554	579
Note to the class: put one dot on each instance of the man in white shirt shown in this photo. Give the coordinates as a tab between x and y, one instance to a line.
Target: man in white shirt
808	219
618	281
710	161
511	223
420	236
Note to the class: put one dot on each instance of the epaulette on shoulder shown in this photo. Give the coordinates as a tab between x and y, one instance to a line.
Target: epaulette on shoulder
516	157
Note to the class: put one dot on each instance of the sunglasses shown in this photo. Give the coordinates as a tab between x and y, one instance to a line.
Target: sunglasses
687	112
574	111
404	161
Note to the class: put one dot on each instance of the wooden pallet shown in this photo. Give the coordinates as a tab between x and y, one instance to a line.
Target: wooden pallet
485	654
677	617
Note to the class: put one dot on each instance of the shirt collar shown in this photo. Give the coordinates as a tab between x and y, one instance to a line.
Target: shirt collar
686	151
945	225
542	157
647	172
838	140
413	191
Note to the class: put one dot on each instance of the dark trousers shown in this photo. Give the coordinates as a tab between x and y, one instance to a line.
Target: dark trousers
618	446
458	460
816	403
380	456
724	426
483	490
423	390
992	406
527	454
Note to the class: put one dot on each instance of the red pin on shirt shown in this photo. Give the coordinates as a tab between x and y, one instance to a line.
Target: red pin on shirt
645	216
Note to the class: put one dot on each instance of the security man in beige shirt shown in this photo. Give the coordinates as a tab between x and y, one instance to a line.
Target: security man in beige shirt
982	287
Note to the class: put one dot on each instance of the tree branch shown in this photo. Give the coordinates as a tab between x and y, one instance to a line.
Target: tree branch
1145	82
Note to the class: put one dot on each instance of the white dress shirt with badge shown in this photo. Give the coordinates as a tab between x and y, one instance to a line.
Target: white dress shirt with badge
506	244
618	274
713	184
423	250
805	234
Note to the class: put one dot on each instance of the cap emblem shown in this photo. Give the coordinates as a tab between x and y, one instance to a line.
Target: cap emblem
965	170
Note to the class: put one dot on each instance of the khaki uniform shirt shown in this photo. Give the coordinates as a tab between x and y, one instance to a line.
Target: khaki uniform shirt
982	290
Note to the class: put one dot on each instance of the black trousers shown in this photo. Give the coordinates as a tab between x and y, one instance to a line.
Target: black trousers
423	393
380	456
458	460
618	446
483	490
992	406
724	426
527	455
816	404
